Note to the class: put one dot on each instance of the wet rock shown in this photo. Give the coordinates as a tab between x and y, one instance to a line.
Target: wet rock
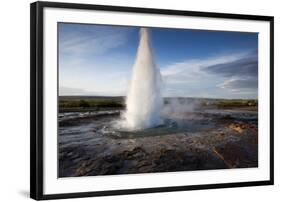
230	143
237	127
136	153
235	155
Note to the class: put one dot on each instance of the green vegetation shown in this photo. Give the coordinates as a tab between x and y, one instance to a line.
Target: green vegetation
91	102
224	103
99	102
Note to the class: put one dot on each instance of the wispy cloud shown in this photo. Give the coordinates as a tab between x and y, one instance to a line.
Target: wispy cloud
63	90
97	60
182	71
221	76
87	64
90	41
242	83
95	77
245	66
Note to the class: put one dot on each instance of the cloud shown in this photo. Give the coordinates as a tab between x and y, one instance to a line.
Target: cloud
71	91
92	62
65	91
82	40
241	75
247	66
188	70
87	66
93	81
243	83
231	75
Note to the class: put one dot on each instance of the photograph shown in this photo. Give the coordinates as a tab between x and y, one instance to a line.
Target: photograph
137	100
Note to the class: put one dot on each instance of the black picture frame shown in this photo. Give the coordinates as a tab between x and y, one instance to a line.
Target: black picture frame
36	98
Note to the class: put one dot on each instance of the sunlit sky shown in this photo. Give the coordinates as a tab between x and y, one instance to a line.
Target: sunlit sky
98	60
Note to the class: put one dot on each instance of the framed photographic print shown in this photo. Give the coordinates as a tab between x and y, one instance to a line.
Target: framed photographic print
136	100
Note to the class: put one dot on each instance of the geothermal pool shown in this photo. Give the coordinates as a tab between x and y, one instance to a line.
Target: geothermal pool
90	143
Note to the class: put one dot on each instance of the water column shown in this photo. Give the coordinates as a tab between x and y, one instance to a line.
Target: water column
144	100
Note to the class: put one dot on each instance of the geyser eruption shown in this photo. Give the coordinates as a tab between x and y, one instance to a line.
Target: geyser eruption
144	100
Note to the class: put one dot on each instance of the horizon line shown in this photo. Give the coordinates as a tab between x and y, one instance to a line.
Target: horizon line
163	97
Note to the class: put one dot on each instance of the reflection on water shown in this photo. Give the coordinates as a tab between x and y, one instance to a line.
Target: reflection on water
107	122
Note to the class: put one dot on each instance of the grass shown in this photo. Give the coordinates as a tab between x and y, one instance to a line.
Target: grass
87	102
91	103
224	103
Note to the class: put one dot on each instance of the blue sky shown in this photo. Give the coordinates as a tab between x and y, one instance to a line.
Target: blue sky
98	60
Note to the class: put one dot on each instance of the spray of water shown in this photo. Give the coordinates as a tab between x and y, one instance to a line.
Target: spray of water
144	100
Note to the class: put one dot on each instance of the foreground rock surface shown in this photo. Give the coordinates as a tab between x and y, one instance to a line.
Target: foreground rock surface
230	142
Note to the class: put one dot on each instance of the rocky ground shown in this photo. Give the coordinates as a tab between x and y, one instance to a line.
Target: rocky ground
213	140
